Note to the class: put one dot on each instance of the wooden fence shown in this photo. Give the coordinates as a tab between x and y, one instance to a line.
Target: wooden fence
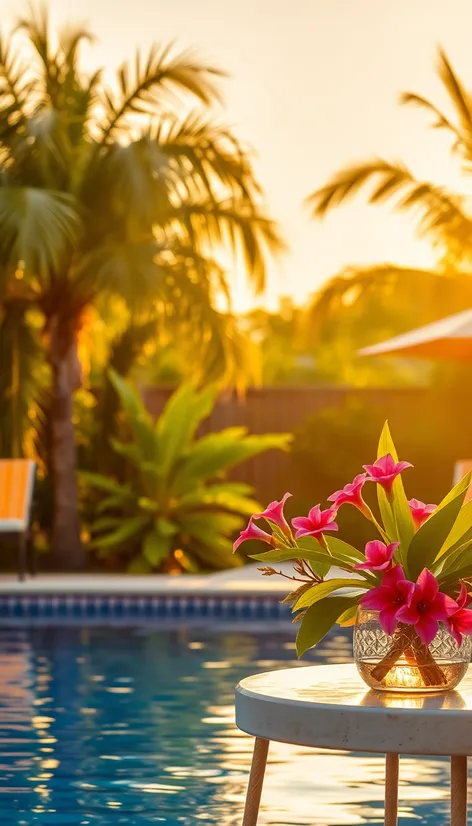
288	409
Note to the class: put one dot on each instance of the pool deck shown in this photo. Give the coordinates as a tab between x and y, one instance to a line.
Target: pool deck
245	581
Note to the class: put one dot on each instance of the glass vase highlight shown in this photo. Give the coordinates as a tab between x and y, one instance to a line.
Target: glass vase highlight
402	662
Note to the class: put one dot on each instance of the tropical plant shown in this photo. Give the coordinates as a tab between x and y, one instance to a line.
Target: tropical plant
445	217
175	502
416	573
122	189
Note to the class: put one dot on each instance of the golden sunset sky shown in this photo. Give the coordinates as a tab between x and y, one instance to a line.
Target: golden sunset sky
314	85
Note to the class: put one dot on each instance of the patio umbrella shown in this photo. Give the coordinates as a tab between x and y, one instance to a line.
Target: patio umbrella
449	339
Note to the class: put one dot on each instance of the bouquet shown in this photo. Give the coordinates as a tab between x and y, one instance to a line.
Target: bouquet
409	587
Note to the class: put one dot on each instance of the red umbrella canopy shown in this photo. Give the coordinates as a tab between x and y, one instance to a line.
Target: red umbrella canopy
448	339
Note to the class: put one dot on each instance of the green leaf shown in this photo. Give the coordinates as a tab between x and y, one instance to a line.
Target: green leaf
349	616
461	530
96	480
165	527
340	548
156	547
216	453
320	618
322	589
454	558
428	540
179	420
116	501
106	522
129	529
396	514
279	555
148	505
449	579
138	417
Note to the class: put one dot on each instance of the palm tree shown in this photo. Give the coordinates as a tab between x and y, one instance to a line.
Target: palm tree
445	217
122	189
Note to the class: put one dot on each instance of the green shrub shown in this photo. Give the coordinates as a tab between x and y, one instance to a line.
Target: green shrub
174	501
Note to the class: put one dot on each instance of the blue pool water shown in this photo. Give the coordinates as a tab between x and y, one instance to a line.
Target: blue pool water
135	726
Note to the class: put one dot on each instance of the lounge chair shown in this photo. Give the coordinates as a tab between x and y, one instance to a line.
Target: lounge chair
16	496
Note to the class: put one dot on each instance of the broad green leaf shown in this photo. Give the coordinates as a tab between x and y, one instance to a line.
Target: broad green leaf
147	505
349	616
451	578
96	480
308	555
106	522
156	547
138	417
454	558
396	515
114	502
428	540
309	543
214	454
127	449
322	589
320	618
461	530
218	497
165	527
179	420
337	546
129	529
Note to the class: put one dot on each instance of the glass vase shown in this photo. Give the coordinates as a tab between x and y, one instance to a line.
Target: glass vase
402	662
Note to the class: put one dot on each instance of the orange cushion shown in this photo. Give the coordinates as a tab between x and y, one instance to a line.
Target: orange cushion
15	488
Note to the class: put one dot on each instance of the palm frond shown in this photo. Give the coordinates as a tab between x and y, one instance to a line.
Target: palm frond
38	229
207	153
443	214
232	224
153	81
459	97
440	122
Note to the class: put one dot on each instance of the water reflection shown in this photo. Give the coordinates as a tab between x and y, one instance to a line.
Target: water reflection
103	726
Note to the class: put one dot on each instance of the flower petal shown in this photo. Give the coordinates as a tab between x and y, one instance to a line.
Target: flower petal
426	628
428	585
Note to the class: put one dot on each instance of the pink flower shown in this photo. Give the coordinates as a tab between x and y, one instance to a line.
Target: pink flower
275	513
252	532
316	523
460	622
385	470
350	494
420	511
378	556
426	607
389	598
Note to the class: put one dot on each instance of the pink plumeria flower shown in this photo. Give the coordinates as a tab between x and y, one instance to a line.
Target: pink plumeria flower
389	598
350	494
459	623
427	607
252	532
378	556
420	512
316	523
275	513
385	470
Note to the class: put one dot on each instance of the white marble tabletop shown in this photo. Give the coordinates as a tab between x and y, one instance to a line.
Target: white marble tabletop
329	706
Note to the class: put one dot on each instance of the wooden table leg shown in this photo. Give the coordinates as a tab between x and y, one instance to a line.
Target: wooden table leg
458	791
256	778
391	790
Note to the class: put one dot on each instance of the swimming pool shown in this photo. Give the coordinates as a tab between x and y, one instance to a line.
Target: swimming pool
135	726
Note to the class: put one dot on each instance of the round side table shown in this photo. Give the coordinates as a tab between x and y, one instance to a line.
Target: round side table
330	707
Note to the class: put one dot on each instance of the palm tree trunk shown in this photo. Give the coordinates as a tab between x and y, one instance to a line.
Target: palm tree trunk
67	550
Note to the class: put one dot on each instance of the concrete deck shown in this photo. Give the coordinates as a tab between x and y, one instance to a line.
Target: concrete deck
240	581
